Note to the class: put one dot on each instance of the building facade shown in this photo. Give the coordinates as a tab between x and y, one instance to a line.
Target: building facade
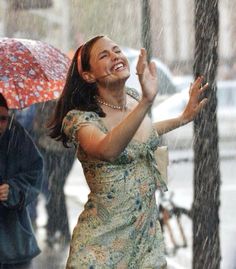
67	23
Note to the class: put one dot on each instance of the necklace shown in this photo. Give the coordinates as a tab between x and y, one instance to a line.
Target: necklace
111	106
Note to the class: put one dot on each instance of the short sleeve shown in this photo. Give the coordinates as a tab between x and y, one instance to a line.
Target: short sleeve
75	119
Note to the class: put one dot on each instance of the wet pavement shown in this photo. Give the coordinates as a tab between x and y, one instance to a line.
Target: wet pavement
181	183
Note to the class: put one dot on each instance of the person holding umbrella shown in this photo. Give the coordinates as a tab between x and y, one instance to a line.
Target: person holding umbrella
32	74
116	140
21	167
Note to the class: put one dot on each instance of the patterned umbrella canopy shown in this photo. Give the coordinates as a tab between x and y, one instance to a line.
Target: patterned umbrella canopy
30	71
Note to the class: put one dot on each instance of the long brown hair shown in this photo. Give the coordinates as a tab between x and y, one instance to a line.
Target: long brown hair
77	93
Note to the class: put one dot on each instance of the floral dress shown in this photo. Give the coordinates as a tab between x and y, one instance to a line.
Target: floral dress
119	226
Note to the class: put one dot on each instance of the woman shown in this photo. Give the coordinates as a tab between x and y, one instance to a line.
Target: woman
115	141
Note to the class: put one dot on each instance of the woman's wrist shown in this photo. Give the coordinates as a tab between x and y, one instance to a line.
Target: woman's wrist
146	102
183	120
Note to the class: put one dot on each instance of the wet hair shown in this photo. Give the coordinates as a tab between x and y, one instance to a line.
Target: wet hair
3	101
77	93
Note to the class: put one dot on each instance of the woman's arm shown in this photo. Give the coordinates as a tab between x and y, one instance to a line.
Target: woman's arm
191	110
109	146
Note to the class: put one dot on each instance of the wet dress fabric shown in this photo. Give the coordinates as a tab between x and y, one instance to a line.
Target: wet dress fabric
118	227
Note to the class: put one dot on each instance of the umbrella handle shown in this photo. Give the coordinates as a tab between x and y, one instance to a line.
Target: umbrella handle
11	120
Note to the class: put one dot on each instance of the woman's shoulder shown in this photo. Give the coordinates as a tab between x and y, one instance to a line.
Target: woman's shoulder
86	115
75	119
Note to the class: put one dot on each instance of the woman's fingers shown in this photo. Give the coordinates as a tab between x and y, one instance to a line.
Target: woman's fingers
198	82
190	88
202	104
143	65
196	88
142	61
204	87
196	85
153	69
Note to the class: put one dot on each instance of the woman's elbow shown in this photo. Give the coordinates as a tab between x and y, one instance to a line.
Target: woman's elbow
108	156
102	152
105	154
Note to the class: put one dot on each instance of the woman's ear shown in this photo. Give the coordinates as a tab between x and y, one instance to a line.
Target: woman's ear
88	77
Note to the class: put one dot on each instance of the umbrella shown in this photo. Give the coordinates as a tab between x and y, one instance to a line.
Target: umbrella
30	71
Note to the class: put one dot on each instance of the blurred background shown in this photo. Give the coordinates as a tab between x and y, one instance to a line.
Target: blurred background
68	23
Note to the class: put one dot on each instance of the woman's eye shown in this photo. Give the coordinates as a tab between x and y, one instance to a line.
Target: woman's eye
103	56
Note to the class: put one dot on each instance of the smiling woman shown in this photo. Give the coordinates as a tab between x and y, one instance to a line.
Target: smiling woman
115	138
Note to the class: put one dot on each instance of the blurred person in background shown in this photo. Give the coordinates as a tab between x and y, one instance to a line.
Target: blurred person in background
21	167
58	163
116	139
26	118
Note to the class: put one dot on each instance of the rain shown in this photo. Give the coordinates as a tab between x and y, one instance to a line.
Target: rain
184	38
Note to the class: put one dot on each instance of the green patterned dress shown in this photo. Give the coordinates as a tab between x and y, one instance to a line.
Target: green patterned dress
119	227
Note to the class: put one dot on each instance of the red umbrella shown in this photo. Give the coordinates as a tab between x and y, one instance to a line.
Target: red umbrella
31	71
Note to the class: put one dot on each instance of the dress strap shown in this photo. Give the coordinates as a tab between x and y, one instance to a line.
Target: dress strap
133	93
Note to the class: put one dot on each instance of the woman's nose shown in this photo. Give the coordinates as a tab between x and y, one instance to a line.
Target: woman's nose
113	55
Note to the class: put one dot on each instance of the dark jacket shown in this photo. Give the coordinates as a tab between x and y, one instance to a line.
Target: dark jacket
21	167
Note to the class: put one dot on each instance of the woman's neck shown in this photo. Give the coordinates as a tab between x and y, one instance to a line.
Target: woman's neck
113	96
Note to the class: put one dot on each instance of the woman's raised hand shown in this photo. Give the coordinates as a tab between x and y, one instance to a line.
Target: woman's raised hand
195	103
147	74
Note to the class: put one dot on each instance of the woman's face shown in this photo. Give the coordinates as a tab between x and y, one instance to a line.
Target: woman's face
108	63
